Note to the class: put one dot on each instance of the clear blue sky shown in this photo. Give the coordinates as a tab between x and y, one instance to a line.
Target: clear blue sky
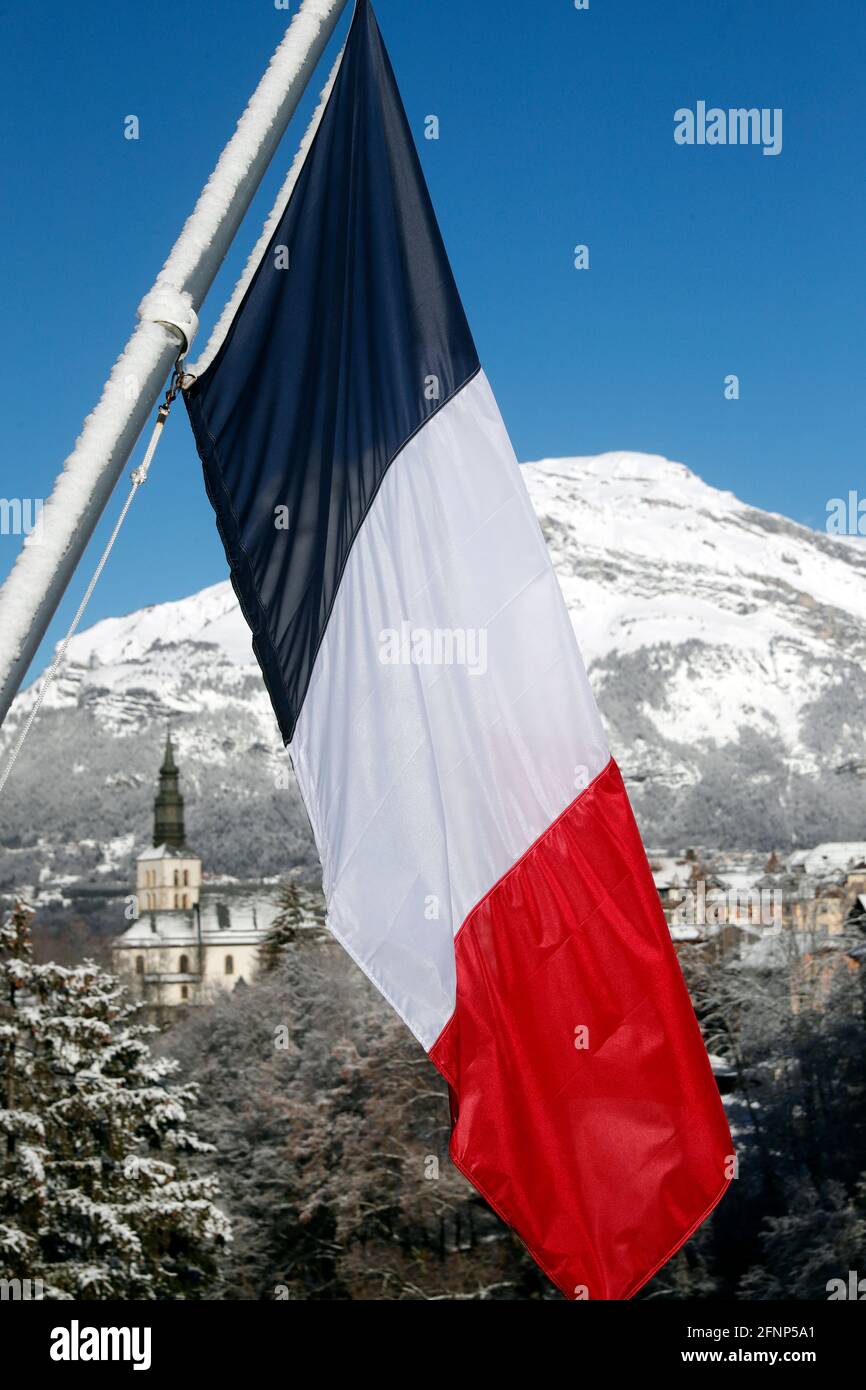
556	129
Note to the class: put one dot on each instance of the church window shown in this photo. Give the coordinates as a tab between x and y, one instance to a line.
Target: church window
177	878
139	965
184	992
186	900
186	878
176	900
184	965
230	965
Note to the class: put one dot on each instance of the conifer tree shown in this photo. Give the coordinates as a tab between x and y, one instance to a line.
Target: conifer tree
101	1191
297	909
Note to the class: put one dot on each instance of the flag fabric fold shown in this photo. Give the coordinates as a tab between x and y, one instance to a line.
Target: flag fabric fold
480	859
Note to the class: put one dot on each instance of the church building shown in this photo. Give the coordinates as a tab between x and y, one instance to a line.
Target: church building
168	874
188	941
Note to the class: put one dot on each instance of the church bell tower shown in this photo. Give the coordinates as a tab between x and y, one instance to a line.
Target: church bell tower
168	876
168	827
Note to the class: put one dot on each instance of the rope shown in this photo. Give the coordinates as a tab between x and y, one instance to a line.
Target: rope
138	476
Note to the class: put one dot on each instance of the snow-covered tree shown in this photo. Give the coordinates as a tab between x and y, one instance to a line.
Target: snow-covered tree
101	1189
332	1129
297	907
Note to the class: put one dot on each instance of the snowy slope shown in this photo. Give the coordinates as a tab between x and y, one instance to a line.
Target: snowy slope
726	645
650	557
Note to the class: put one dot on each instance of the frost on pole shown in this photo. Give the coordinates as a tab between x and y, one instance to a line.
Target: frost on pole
42	552
30	595
307	33
254	260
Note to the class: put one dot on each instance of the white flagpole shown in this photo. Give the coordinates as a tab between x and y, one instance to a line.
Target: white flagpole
167	314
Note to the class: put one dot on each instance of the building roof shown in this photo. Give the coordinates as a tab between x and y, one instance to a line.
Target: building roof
168	852
668	871
835	855
686	931
226	919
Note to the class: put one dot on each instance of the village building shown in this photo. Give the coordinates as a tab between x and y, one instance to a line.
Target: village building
188	942
827	888
805	914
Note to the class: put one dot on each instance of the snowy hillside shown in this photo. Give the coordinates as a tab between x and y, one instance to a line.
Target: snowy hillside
727	647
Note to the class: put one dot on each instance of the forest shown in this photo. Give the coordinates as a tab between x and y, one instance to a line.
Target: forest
299	1148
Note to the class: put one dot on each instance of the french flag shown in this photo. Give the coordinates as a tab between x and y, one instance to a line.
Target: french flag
480	859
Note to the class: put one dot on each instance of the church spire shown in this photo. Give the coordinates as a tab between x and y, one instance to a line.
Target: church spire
168	826
168	762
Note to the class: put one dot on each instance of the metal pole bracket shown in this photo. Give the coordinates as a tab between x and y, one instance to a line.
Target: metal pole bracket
173	309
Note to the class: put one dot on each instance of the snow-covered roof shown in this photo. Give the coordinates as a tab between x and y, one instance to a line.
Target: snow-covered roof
167	852
686	933
239	919
740	881
835	855
667	871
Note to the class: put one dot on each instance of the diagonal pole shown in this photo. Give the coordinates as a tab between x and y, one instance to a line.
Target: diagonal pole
167	317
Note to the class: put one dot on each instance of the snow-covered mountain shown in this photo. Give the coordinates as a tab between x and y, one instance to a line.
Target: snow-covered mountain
727	647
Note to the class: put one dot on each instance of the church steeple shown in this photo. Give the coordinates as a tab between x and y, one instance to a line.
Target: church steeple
168	827
168	876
